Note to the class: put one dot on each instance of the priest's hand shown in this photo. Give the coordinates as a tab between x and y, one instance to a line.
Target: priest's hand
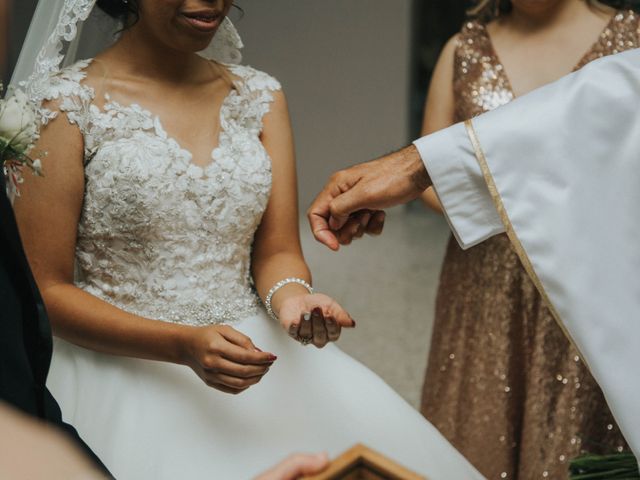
352	202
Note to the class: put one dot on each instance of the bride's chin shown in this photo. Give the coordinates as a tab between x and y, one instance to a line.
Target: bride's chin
201	44
189	46
191	41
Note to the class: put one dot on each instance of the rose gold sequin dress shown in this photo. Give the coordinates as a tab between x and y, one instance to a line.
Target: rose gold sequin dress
503	384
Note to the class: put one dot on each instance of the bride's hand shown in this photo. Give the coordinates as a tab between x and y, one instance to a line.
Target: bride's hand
224	358
314	318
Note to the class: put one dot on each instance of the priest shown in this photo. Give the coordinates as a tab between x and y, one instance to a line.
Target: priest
558	170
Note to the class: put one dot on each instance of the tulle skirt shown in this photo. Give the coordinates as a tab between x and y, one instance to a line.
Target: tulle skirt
154	420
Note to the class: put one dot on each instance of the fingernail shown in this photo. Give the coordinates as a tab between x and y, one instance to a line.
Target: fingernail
273	358
353	322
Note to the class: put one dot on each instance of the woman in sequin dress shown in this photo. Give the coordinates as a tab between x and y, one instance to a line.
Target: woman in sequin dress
503	383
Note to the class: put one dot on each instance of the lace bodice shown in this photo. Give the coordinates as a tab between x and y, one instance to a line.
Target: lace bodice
158	235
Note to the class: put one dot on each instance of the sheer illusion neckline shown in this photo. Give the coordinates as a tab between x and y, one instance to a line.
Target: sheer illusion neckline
503	71
155	120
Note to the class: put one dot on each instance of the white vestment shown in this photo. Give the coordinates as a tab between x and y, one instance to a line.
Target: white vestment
559	171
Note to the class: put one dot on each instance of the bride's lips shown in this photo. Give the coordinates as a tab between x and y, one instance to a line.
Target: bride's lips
206	21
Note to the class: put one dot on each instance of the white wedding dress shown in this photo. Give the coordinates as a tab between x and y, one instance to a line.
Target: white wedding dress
168	240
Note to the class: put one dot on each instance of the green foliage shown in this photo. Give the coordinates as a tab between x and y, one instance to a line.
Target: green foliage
618	466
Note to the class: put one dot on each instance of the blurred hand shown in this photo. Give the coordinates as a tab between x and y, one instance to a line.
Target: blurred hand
31	449
224	358
351	202
316	319
296	466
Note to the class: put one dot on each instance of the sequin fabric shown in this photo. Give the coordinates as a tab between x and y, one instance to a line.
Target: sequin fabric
503	383
158	235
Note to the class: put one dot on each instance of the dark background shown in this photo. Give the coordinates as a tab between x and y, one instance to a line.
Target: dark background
433	23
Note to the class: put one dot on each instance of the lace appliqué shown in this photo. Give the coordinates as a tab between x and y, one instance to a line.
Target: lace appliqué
226	46
160	236
50	58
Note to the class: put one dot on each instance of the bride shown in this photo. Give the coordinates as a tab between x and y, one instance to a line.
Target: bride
166	218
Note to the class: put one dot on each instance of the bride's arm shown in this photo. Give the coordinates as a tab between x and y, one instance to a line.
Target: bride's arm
48	213
277	253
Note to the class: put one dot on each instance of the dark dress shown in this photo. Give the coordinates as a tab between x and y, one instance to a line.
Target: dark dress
25	333
503	383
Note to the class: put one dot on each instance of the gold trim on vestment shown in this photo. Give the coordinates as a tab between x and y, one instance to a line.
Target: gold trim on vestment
511	233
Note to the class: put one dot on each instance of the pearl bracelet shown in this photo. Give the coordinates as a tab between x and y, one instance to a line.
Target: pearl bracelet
278	286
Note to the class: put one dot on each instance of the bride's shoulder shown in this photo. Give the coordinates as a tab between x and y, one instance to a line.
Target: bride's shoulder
70	81
253	79
62	91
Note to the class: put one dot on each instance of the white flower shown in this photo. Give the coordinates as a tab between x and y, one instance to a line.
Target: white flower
18	125
37	167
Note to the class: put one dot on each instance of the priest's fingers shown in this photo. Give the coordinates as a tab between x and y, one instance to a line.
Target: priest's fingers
375	225
320	336
364	218
371	223
322	207
342	206
318	217
333	329
350	230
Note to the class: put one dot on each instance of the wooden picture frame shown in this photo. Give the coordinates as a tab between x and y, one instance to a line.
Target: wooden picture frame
362	463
